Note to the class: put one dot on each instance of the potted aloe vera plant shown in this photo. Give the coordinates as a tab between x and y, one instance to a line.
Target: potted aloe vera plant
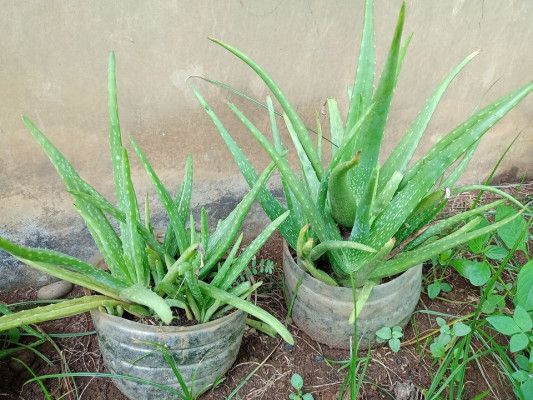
189	276
355	221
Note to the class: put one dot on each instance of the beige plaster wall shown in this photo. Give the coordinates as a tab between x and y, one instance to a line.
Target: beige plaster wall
53	69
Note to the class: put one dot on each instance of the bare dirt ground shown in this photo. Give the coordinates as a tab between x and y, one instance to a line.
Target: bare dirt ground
322	368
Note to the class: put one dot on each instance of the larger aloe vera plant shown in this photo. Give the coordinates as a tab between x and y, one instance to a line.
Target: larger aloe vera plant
147	277
371	220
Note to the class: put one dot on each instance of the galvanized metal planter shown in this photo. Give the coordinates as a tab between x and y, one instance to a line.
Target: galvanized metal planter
205	351
322	311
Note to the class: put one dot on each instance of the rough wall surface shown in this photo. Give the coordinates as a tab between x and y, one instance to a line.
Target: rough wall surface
53	66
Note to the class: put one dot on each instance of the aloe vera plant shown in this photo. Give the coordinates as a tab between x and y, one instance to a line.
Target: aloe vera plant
145	277
371	220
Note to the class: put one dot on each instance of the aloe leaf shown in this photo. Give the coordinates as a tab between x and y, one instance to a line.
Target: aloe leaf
108	208
369	142
320	249
55	311
405	149
341	196
290	227
133	218
442	226
242	261
364	79
308	174
454	176
270	204
363	214
182	203
227	230
247	307
176	220
174	270
109	247
419	219
45	256
344	150
403	51
472	129
388	222
385	195
204	233
361	275
107	237
139	294
223	270
408	259
323	226
336	126
364	294
297	123
115	143
192	285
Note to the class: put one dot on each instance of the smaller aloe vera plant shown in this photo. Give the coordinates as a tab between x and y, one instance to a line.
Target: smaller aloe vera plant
371	220
145	277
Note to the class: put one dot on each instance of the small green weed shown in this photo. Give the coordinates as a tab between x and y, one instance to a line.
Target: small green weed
297	383
392	335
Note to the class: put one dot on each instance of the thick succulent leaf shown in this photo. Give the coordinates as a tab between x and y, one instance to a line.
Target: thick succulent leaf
323	247
270	204
183	202
471	130
307	172
135	248
139	294
454	176
55	311
405	149
176	220
386	224
445	224
248	307
292	114
370	139
408	259
45	256
115	143
363	215
244	258
228	229
228	262
108	208
336	126
108	242
361	93
362	273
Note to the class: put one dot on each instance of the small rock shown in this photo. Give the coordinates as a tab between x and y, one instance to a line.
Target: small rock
55	290
288	346
319	358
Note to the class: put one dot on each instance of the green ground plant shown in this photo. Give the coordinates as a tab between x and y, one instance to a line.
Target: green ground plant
297	383
187	271
391	336
505	307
